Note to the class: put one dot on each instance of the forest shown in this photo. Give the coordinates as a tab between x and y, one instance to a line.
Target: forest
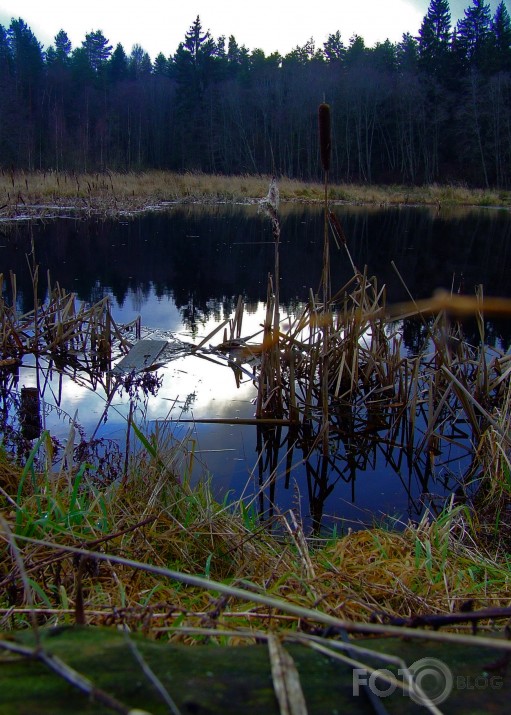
434	107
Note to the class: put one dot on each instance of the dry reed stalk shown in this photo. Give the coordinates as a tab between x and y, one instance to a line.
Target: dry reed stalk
413	399
357	578
325	142
77	336
109	193
269	399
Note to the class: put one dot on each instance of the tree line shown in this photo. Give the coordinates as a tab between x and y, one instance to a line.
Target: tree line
432	107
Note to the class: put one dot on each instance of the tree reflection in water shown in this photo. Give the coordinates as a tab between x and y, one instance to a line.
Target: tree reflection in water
185	271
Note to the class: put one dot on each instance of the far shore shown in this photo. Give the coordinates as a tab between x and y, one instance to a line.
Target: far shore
25	195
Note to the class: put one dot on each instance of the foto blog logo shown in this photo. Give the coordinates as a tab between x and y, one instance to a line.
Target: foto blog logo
426	681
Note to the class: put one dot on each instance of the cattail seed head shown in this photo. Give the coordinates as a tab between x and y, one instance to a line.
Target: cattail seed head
325	141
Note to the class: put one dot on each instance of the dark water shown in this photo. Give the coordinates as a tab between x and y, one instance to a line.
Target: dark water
183	270
204	258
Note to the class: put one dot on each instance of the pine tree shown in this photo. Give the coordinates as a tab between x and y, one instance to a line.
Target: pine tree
62	48
356	52
384	56
333	48
237	58
303	55
98	50
139	63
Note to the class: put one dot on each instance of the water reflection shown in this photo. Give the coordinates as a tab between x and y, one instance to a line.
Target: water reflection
183	271
381	460
203	258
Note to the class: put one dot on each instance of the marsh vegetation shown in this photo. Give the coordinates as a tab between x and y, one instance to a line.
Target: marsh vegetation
116	543
52	193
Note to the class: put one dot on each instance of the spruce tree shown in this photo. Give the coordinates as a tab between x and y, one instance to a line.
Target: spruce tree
474	35
194	70
160	65
117	67
407	53
500	50
27	55
434	39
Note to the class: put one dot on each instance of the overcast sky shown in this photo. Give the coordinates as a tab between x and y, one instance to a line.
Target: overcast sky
272	25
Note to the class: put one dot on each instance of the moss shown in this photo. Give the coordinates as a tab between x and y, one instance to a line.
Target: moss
213	679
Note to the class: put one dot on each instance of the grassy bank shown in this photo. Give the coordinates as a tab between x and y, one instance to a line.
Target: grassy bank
80	546
109	193
165	558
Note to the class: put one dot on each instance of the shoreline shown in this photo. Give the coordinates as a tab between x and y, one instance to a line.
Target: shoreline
27	196
433	567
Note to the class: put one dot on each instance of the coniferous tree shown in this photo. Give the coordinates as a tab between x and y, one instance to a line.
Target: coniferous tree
194	58
160	65
60	99
473	35
139	65
407	54
220	51
500	51
27	74
7	101
334	49
194	70
238	58
434	39
63	48
81	70
6	59
356	53
97	50
117	68
384	56
303	54
27	54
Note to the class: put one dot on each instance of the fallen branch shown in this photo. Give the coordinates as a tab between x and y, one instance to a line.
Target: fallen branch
450	619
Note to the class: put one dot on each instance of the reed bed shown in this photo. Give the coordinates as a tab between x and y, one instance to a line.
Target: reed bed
50	194
340	377
151	553
60	522
337	376
59	326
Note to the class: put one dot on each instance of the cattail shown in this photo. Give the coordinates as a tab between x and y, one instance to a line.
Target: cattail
325	141
337	229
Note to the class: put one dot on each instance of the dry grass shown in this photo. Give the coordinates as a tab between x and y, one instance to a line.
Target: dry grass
182	540
45	193
429	568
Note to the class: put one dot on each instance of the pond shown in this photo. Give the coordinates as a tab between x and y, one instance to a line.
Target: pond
182	271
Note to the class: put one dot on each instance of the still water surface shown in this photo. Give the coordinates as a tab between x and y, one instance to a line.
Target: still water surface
183	271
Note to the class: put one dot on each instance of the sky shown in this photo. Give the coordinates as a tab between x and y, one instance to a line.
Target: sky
271	25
